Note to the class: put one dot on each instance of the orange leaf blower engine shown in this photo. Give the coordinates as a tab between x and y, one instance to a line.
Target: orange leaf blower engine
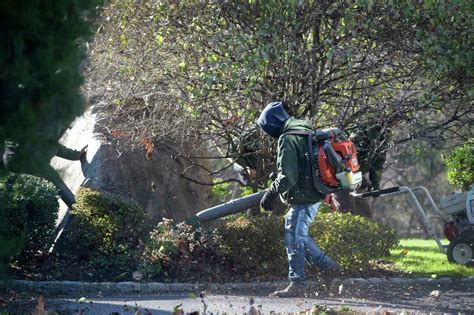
333	160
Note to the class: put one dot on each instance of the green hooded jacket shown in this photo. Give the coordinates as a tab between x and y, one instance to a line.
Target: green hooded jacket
294	181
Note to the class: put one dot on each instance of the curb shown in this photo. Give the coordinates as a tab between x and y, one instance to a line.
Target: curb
76	287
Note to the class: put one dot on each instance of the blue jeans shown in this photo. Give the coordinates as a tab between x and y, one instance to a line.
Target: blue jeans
299	244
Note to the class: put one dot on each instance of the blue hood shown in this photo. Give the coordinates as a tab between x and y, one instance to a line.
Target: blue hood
272	119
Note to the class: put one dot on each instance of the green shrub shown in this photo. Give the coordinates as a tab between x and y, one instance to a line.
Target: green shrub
105	232
161	249
28	211
352	240
253	245
460	166
180	251
29	208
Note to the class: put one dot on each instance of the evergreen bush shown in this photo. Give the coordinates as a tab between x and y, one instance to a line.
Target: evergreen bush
105	232
253	244
352	240
41	52
28	211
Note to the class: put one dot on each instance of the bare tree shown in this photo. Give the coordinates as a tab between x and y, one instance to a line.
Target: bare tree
200	71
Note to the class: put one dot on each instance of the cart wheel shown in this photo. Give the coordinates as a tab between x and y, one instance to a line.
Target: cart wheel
461	251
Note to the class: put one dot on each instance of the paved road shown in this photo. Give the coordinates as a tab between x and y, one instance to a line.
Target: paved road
453	298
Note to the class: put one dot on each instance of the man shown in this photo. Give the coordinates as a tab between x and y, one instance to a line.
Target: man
294	185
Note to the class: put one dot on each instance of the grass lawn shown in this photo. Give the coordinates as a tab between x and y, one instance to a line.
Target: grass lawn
422	258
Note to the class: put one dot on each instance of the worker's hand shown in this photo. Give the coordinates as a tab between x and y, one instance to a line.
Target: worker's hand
267	200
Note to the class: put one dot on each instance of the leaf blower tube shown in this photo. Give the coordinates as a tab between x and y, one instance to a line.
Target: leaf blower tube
230	207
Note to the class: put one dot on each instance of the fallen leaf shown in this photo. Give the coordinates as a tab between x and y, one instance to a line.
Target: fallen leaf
149	148
117	133
300	304
13	295
251	173
232	120
137	307
345	308
404	252
184	249
121	276
178	310
137	275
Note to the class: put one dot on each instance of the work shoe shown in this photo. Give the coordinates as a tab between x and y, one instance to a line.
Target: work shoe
292	290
